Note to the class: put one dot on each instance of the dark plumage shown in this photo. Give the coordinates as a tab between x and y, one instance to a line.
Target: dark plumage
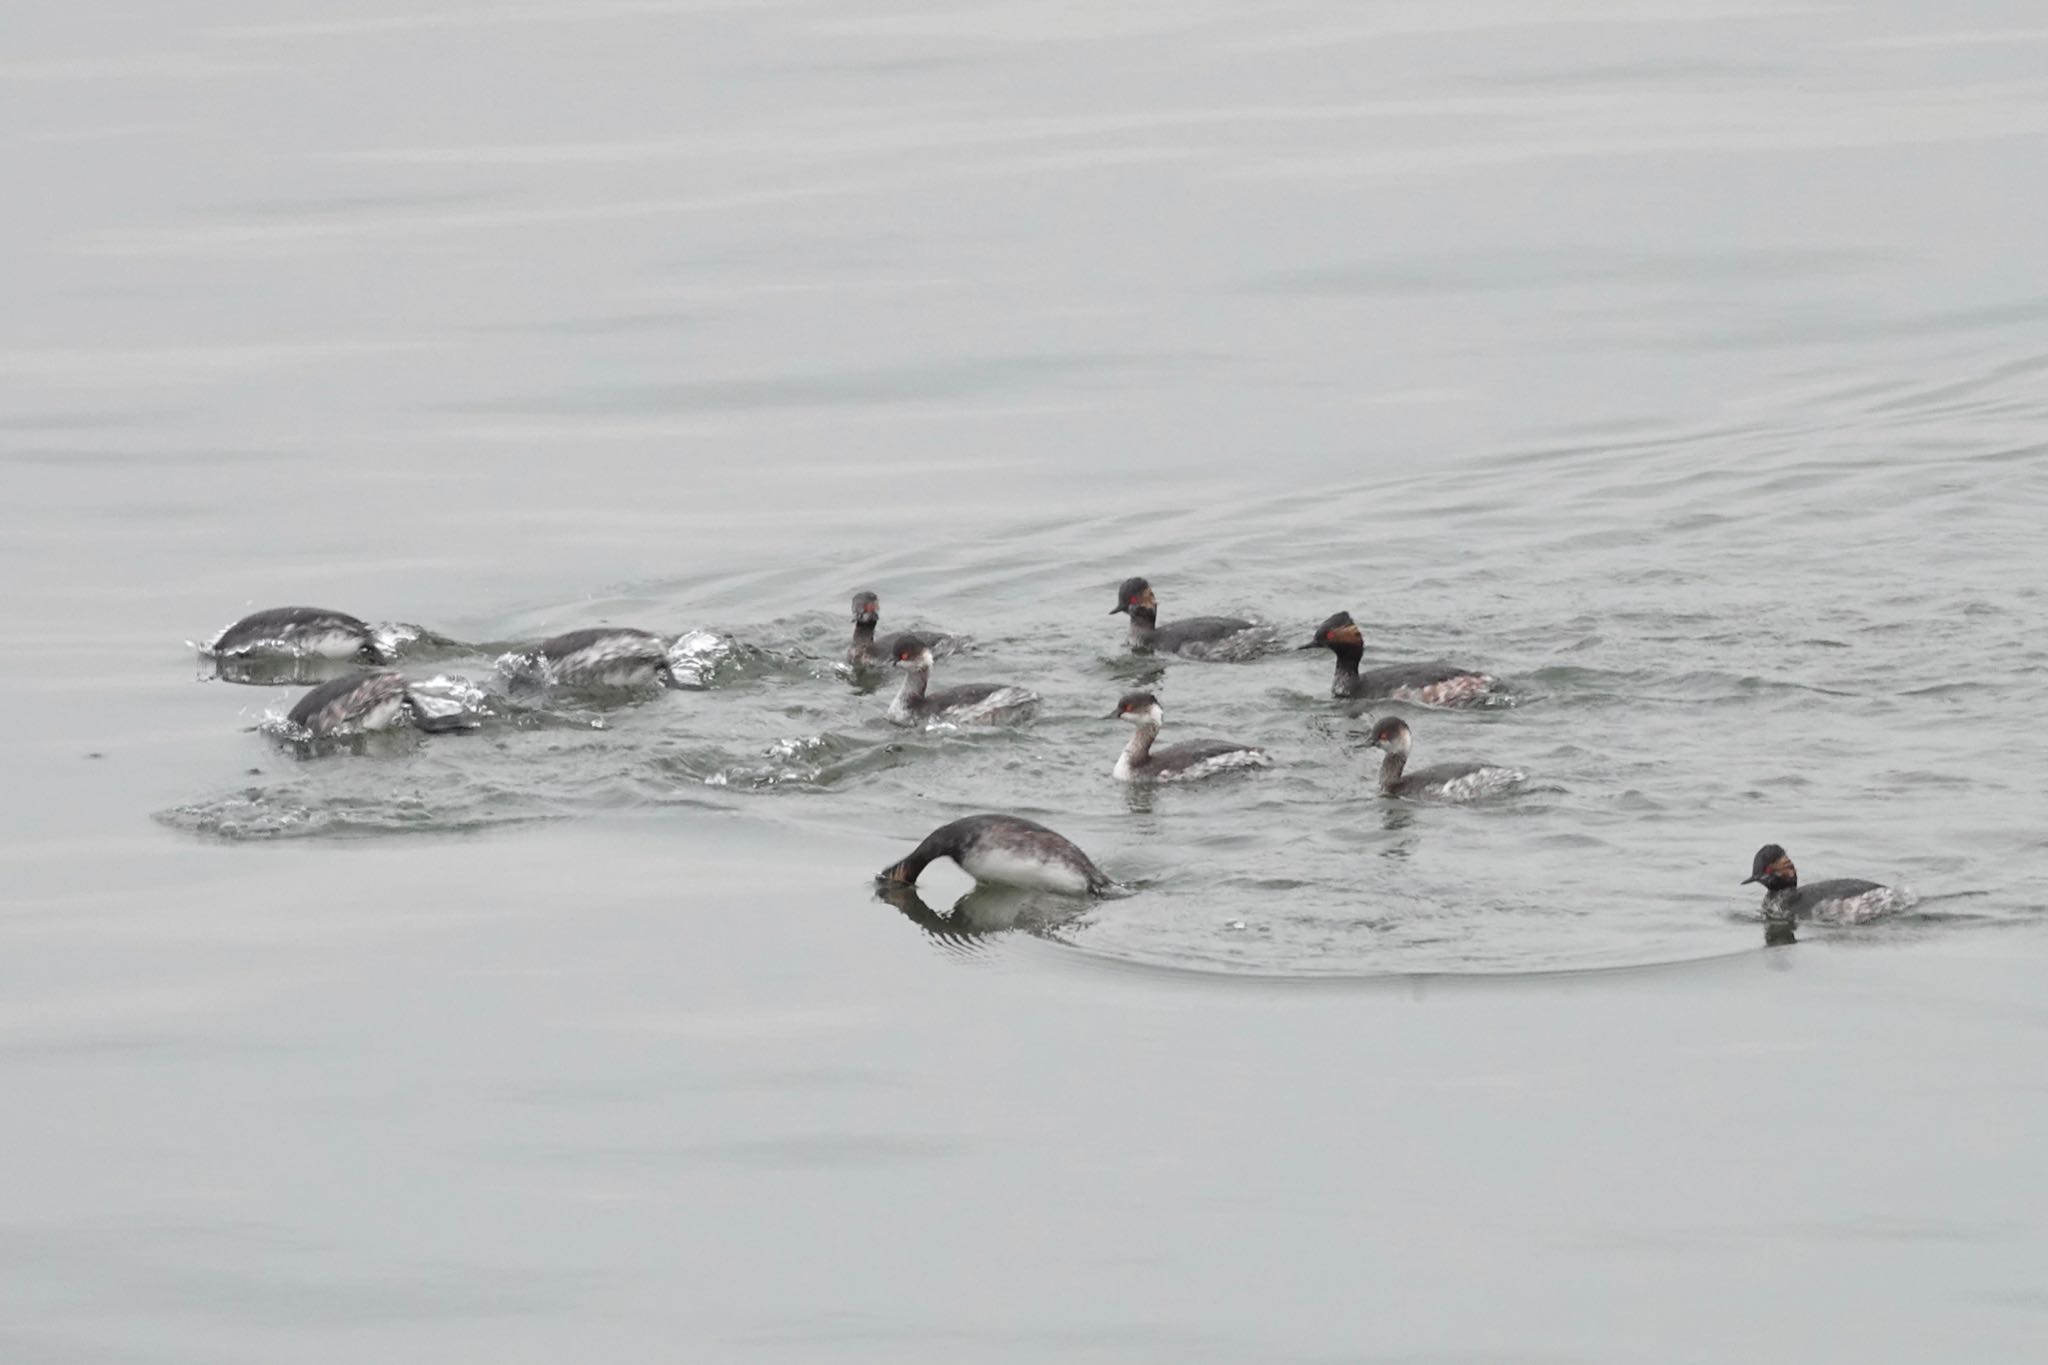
1135	598
968	703
303	631
1439	782
375	699
605	656
1431	684
1008	850
1187	759
1845	900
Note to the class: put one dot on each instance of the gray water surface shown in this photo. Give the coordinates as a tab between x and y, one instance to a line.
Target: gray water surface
1684	365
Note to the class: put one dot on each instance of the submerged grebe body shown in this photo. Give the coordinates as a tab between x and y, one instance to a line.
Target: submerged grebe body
1440	782
1196	637
1181	762
603	657
375	699
1007	850
1843	900
1430	684
967	704
301	632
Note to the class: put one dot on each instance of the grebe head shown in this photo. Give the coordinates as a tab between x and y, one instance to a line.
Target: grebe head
1139	708
1134	593
1340	633
1773	867
867	609
1390	734
907	651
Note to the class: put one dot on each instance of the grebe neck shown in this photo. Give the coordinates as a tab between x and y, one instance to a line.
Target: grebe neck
1138	752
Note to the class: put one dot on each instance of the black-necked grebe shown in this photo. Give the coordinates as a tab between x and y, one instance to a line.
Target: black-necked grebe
967	704
862	651
1442	782
599	657
1431	684
1196	637
375	699
1008	850
1844	900
1180	762
301	632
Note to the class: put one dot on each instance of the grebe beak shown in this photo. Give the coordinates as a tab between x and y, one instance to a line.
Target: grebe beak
1119	609
1114	714
1312	644
1747	880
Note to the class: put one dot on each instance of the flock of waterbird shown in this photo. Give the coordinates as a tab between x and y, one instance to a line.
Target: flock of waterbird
992	848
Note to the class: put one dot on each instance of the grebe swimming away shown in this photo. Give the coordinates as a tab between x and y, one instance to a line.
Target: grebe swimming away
1195	637
967	704
1176	762
1432	684
376	699
1007	850
1444	781
1844	900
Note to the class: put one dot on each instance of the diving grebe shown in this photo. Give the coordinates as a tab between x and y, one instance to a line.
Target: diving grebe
1005	849
595	657
375	699
304	632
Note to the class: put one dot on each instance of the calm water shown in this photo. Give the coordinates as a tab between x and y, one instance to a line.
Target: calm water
1686	365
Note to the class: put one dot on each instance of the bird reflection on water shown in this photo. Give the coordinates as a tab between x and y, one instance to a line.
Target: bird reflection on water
983	914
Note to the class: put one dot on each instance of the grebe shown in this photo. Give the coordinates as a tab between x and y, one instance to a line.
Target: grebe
967	704
1176	762
1196	637
1443	782
1008	850
1432	684
375	699
301	632
595	657
1844	900
864	651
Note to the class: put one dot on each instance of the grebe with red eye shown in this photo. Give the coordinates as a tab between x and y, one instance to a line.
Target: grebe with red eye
967	704
1176	762
1196	637
1431	684
1443	781
864	651
1843	900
